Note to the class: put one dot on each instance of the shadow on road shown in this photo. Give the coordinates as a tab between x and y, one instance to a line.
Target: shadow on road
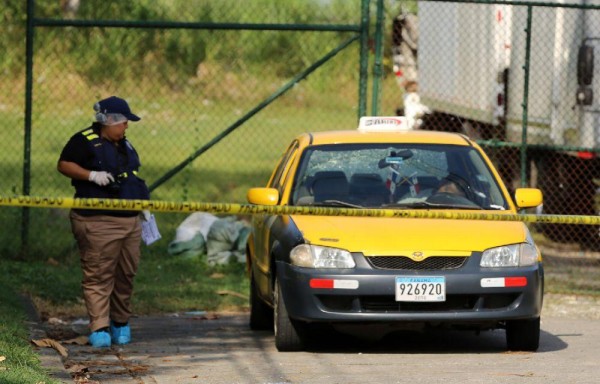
427	341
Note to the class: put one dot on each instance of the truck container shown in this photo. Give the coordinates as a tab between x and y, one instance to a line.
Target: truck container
473	67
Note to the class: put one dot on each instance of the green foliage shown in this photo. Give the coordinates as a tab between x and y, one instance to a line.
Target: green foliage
12	32
98	53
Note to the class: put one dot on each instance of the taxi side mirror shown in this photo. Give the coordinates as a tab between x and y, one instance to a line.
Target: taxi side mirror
263	196
528	197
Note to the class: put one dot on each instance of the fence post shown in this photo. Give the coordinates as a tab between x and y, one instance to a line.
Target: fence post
378	65
525	98
27	133
364	59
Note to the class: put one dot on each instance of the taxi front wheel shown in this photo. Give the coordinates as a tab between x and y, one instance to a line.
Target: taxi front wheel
523	335
288	333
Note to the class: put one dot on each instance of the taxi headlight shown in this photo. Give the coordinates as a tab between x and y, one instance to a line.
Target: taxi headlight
314	256
515	255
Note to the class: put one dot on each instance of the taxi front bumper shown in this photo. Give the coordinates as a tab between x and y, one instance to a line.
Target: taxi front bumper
368	295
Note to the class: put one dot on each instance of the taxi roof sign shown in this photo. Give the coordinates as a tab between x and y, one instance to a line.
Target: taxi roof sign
383	124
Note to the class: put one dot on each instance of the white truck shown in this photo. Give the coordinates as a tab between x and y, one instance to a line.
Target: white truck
471	75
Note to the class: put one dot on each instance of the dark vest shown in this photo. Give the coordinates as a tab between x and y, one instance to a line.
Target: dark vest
123	163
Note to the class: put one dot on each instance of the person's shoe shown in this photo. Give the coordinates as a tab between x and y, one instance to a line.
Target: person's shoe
120	334
100	338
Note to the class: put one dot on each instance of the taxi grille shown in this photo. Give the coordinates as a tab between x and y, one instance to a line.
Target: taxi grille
388	303
403	262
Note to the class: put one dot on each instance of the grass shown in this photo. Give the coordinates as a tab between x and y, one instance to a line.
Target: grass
164	283
573	277
18	362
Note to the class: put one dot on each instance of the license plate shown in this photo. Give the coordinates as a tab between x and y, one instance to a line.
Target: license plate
420	288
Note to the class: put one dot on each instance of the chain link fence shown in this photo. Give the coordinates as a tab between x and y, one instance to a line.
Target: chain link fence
222	87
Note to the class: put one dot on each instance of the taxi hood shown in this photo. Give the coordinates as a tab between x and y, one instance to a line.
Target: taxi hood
394	236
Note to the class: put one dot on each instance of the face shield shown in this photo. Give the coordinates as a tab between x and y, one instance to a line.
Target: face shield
114	119
107	118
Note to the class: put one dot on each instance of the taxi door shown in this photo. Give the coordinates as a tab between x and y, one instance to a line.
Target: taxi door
262	224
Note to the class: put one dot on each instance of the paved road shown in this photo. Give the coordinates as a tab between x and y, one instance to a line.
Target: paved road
191	349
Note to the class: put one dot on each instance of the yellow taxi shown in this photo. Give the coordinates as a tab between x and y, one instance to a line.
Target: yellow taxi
356	272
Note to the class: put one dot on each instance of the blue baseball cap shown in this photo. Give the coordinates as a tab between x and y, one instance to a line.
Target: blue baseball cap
115	105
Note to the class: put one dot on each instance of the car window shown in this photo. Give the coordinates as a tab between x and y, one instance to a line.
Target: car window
278	178
376	175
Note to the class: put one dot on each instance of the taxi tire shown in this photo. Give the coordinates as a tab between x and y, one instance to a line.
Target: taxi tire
288	333
523	335
261	315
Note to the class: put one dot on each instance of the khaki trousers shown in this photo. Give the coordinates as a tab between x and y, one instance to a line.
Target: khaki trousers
109	248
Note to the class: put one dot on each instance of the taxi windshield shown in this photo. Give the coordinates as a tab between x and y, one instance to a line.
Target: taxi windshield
412	176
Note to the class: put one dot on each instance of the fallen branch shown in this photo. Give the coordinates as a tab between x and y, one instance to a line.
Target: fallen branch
232	293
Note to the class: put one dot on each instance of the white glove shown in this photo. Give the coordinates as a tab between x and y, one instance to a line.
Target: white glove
146	215
101	178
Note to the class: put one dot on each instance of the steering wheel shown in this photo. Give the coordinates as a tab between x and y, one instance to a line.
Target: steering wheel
462	184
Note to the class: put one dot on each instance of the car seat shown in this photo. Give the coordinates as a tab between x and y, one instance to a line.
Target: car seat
368	189
330	185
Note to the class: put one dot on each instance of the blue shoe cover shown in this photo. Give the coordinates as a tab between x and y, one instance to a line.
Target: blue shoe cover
120	335
99	339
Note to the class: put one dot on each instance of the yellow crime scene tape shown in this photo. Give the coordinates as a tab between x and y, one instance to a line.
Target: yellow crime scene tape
250	209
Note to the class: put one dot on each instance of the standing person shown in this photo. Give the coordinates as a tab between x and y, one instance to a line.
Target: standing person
102	163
